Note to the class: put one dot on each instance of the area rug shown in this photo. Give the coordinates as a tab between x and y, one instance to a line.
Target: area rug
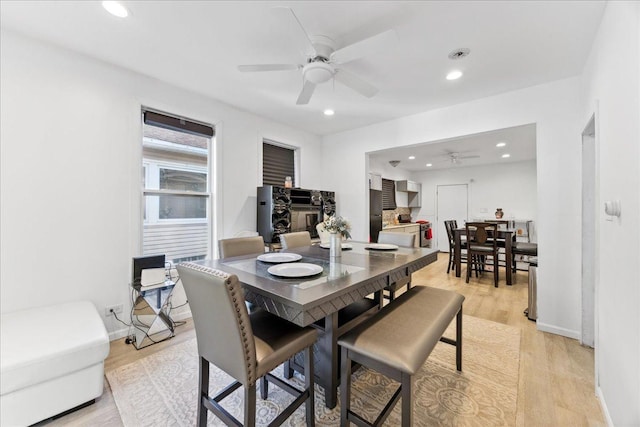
161	389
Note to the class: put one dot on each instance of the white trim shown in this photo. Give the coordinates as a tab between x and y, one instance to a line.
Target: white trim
545	327
603	406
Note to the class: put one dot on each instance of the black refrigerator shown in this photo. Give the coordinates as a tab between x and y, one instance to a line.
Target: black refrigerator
375	214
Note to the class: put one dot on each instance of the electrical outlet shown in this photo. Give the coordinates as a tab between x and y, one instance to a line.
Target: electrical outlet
117	309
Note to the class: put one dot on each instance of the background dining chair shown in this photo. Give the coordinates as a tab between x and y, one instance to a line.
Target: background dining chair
482	242
323	233
449	226
405	240
294	240
245	346
523	248
237	246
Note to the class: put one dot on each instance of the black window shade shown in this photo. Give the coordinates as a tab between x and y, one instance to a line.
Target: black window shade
177	123
388	194
277	164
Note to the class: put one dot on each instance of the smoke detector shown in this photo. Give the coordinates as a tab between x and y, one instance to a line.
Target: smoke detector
394	163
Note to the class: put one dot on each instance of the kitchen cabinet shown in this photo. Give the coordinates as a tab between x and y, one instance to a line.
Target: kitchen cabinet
375	181
413	190
406	228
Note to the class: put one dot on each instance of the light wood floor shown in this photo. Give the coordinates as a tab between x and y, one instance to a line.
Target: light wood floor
556	384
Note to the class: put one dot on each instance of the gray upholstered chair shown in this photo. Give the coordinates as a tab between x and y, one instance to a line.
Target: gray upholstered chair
405	240
237	246
323	233
294	240
245	346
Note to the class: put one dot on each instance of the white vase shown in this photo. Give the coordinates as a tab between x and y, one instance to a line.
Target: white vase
335	245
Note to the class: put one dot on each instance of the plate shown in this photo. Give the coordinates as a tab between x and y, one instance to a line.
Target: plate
277	257
381	247
301	269
328	245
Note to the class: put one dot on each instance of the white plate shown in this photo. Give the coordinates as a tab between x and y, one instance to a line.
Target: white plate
328	245
277	258
381	247
301	269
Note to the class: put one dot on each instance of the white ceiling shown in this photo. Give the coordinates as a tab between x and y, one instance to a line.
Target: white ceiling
197	45
520	144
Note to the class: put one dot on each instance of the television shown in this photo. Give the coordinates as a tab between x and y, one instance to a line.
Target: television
141	263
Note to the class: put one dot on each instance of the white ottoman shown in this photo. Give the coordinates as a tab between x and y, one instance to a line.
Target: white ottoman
51	360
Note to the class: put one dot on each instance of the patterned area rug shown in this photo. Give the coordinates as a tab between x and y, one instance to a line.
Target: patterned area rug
161	389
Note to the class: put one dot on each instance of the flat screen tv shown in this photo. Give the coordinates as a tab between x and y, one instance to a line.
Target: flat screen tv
141	263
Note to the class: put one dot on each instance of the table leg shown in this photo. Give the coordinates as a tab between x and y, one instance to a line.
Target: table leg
328	360
508	259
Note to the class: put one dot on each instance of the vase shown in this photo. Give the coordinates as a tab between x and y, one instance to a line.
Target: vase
499	213
335	245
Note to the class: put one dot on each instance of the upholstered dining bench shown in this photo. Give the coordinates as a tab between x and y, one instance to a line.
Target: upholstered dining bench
398	353
52	361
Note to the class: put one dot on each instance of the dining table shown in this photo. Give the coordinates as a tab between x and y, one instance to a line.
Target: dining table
333	300
505	235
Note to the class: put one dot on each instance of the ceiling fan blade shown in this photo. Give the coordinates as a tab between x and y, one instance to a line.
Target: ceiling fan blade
376	44
300	36
305	94
468	157
268	67
356	83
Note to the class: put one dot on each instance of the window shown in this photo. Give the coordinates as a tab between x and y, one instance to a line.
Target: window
388	194
175	164
278	162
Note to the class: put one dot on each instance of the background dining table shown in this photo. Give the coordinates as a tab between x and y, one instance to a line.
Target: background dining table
507	235
333	301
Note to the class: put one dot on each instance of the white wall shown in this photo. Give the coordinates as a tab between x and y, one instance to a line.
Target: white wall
611	90
510	186
554	108
71	172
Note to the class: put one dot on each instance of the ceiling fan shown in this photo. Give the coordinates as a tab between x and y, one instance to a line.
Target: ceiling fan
324	60
455	158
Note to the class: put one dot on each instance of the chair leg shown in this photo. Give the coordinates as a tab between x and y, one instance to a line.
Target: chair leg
345	387
264	388
407	400
308	382
203	392
450	260
469	266
250	406
459	340
392	295
495	270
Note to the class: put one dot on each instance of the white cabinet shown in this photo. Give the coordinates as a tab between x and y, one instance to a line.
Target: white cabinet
413	190
375	181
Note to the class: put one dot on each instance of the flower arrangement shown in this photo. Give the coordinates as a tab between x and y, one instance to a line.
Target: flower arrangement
338	224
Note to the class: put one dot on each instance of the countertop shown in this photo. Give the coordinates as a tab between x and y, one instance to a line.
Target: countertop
391	226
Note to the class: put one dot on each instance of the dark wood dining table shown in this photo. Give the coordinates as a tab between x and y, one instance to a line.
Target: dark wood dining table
332	301
507	235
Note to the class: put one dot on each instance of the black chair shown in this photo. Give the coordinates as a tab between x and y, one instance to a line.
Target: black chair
450	225
247	346
481	243
523	248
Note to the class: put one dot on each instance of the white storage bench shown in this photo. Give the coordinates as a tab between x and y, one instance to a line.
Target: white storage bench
52	360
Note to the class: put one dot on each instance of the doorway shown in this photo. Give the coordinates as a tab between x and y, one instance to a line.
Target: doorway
589	242
452	203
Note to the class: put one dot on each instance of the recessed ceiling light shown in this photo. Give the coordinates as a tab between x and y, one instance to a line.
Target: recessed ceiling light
501	144
454	75
115	8
412	157
505	156
429	165
329	112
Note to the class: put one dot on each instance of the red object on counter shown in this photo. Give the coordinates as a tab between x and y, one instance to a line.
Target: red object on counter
429	234
422	221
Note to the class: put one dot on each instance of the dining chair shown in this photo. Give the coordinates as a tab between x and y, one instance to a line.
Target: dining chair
523	248
323	233
405	240
237	246
449	226
482	242
247	346
294	240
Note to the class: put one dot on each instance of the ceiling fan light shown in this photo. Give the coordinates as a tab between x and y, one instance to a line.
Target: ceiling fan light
318	72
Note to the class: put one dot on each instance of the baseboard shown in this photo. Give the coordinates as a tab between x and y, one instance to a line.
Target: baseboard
544	327
121	333
603	406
